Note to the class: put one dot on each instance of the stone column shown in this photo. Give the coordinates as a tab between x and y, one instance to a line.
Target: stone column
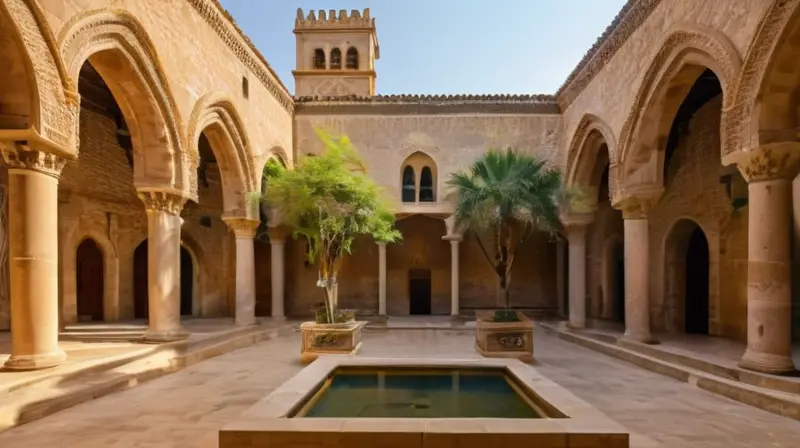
561	277
381	278
163	265
635	212
768	171
576	226
245	230
277	238
455	307
33	257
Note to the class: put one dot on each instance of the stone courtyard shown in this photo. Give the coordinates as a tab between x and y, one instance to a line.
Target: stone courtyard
186	409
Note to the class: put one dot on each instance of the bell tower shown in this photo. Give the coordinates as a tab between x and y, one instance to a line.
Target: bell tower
336	53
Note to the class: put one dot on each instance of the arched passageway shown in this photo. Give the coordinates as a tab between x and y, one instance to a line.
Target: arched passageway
140	291
687	278
90	281
697	271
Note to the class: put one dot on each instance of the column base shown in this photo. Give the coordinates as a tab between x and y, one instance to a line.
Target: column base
648	339
245	321
279	318
766	362
161	336
35	362
576	326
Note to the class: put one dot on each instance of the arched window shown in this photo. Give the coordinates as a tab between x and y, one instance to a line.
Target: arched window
352	58
426	185
336	58
409	185
319	58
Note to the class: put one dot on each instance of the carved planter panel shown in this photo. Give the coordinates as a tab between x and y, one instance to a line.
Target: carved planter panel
504	339
329	339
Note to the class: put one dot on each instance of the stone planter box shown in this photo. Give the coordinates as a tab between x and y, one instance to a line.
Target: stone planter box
504	339
329	339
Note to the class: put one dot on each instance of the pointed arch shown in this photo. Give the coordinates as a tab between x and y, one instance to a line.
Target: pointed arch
419	164
683	56
41	105
216	116
118	47
777	29
590	134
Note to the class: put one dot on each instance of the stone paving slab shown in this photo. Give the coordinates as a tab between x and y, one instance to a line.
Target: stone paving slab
186	409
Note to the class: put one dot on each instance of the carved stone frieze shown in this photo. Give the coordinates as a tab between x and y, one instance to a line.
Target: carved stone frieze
225	26
629	19
21	156
776	161
162	201
242	227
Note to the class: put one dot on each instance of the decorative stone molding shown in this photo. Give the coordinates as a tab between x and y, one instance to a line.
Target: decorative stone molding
320	19
240	45
768	162
58	100
640	201
627	21
21	156
426	104
162	201
719	54
418	99
577	153
235	158
96	30
242	227
737	124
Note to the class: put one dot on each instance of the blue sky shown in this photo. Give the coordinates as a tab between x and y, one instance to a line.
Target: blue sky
448	46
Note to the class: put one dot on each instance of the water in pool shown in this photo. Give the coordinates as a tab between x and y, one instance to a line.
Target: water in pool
407	393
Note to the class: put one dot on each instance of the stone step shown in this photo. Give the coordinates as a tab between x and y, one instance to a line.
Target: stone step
59	392
773	382
776	402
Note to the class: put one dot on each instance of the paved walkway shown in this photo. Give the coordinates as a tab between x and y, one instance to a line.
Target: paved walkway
187	408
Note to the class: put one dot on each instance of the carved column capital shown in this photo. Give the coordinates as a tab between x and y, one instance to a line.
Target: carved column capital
640	201
768	162
242	227
277	234
162	201
577	221
20	155
454	232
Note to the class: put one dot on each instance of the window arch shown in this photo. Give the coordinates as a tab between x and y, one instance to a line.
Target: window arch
409	184
352	58
319	58
426	185
336	58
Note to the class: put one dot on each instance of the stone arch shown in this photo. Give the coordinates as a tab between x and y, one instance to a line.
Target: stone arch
42	100
683	56
612	280
216	116
119	49
278	153
778	32
111	305
591	149
674	247
420	161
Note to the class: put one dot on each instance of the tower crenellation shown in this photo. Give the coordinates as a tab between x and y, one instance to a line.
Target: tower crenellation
336	53
334	19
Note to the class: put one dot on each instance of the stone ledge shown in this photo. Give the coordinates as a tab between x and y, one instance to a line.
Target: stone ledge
79	386
780	403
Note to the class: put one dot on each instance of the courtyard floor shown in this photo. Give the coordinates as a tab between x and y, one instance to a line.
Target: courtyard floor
186	409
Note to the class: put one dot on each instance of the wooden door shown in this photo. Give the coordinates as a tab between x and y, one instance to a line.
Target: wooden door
90	281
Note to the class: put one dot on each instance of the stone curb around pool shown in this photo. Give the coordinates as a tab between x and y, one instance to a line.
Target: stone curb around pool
168	358
780	403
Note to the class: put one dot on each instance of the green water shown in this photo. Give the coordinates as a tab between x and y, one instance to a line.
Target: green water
421	394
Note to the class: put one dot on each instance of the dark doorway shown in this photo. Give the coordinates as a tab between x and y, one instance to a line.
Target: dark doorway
90	280
187	282
697	283
140	293
619	277
419	289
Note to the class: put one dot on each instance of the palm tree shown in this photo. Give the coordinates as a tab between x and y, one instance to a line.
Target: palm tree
503	198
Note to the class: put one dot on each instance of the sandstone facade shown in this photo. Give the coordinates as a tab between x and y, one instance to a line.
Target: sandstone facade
675	121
